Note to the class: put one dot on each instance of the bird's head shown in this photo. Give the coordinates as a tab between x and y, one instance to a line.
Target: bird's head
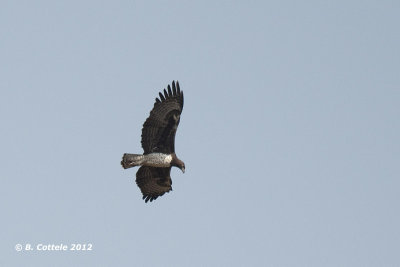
181	166
178	163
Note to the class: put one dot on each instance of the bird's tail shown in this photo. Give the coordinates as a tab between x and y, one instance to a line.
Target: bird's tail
131	160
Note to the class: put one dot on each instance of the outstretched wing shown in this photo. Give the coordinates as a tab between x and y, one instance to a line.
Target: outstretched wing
153	182
158	133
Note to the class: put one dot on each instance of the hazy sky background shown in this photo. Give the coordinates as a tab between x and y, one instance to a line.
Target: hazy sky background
290	132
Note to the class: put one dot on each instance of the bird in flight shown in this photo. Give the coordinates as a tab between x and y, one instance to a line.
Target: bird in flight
158	142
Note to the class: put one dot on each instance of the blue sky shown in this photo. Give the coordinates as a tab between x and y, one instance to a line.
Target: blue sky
290	132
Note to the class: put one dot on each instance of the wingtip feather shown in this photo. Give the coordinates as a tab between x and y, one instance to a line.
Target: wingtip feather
174	88
171	92
161	96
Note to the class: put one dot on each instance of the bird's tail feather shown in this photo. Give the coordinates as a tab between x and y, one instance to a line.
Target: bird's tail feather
131	160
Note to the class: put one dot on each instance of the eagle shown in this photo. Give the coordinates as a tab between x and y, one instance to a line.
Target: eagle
158	143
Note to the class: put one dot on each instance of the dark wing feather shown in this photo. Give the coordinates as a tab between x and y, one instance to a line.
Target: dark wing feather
153	182
158	133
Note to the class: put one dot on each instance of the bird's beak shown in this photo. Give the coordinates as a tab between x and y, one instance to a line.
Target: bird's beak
183	170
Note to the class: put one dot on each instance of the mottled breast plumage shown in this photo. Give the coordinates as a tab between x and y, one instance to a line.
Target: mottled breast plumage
157	160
